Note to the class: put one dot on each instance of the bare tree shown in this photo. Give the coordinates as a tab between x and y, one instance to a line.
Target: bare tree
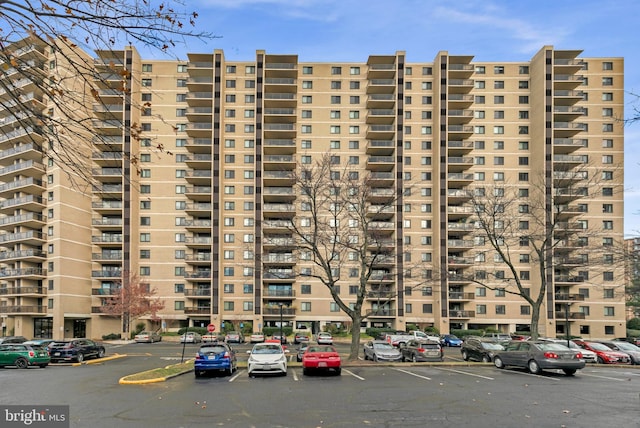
346	235
535	241
50	83
132	299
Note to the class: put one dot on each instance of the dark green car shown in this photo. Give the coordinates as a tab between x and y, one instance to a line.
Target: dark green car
23	356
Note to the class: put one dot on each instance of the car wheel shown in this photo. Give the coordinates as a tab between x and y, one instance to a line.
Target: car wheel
100	353
79	357
338	371
465	356
305	371
229	372
21	363
414	359
43	365
375	358
497	361
600	360
197	373
569	372
534	367
486	359
365	356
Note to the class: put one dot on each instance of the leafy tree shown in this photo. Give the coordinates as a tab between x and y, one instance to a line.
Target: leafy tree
43	47
133	298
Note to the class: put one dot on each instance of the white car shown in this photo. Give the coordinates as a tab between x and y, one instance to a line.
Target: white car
324	338
191	337
588	356
267	358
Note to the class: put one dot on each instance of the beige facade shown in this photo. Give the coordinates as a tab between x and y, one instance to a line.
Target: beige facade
206	194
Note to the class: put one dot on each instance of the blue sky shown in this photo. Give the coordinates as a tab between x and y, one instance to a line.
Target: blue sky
490	30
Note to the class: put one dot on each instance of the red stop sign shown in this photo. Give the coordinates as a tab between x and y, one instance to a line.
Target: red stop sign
211	328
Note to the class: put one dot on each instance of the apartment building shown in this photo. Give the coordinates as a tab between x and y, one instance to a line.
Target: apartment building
201	213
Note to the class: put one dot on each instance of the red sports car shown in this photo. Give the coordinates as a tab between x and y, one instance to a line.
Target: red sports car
321	358
605	354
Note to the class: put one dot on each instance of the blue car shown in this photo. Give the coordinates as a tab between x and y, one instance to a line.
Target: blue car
451	340
215	357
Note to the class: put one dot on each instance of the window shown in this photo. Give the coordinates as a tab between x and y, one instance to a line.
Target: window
523	99
427	308
607	81
354	99
498	69
525	310
230	84
607	112
334	114
354	71
607	159
501	309
498	84
523	130
354	114
523	84
498	114
498	160
498	130
181	83
146	83
607	96
249	84
479	84
336	84
523	69
335	99
307	99
307	70
479	99
498	99
354	84
480	69
305	306
307	84
609	311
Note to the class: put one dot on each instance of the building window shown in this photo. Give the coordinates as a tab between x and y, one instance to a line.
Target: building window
307	70
427	308
305	306
501	309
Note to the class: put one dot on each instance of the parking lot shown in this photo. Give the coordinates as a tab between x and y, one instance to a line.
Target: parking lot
368	394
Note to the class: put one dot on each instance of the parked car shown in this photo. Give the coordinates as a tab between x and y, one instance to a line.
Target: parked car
44	343
634	340
379	350
324	338
605	355
282	339
256	338
420	350
628	348
300	337
75	350
234	337
587	356
23	356
498	337
12	339
479	349
321	358
215	357
211	338
303	347
399	339
265	358
538	356
191	337
147	337
451	340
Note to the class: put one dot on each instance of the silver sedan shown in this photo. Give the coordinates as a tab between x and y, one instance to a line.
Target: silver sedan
379	350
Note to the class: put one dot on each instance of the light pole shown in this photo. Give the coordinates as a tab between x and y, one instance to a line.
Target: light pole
281	335
566	319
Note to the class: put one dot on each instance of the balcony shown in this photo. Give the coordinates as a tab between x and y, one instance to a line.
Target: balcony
22	152
198	274
280	100
278	178
562	315
280	210
278	194
381	116
279	146
278	293
34	291
199	129
461	296
460	86
27	168
279	162
33	256
23	310
108	175
380	295
105	291
273	311
381	101
279	258
31	220
461	314
381	147
199	145
107	273
459	101
381	132
197	292
32	238
567	297
381	313
456	262
29	185
194	310
381	86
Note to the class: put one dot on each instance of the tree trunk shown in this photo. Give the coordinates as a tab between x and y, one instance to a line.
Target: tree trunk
355	339
535	320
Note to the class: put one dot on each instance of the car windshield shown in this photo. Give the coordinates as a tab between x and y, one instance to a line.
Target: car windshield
492	346
267	349
627	346
382	346
550	346
321	349
599	346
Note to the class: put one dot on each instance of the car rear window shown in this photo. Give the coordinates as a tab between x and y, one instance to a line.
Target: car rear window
212	350
430	346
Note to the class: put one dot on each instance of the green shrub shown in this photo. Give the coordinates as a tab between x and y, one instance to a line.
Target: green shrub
270	331
411	327
432	330
111	336
633	324
377	333
633	333
199	330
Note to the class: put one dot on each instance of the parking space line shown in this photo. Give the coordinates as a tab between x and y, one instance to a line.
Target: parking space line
413	374
232	378
531	374
353	374
295	375
604	377
466	373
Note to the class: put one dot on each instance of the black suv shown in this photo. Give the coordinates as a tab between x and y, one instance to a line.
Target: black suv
479	349
12	339
75	350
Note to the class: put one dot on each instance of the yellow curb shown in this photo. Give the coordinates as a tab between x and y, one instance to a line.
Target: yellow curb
123	380
100	360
